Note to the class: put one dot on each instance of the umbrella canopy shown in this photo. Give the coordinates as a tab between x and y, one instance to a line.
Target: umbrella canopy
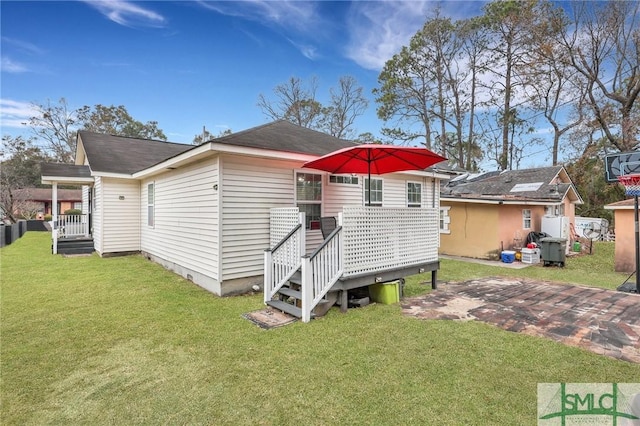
375	159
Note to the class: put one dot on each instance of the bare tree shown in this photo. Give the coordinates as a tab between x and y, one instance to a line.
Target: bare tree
20	170
347	104
294	102
55	125
603	45
551	83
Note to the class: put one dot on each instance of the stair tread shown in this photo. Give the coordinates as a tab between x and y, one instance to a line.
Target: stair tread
286	307
287	291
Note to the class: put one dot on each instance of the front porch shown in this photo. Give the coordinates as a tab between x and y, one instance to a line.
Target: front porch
70	233
369	245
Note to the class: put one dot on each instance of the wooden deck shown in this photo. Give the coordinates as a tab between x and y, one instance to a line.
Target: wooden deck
370	245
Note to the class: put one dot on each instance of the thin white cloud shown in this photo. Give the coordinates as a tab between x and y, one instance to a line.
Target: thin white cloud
22	45
295	18
9	65
296	14
15	114
378	30
127	13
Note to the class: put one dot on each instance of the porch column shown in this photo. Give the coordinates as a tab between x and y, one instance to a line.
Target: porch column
54	216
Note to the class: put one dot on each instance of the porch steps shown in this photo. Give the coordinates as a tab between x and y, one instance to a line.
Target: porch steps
75	246
287	308
288	293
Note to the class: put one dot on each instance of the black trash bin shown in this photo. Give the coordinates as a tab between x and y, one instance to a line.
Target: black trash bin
553	251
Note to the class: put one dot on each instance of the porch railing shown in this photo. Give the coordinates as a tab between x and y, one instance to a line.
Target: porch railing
321	270
72	225
285	258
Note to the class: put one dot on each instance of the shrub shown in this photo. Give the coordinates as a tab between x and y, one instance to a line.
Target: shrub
48	217
73	211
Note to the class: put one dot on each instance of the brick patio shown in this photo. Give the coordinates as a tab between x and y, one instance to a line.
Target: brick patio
606	322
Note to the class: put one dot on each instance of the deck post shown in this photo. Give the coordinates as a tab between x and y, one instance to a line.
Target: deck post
434	283
307	285
54	216
266	285
303	233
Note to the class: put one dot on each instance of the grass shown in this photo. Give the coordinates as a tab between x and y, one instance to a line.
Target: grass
122	341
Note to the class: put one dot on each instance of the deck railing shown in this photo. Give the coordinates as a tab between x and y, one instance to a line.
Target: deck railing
73	225
321	270
285	258
381	238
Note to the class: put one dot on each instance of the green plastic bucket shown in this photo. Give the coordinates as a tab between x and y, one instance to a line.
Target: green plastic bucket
576	246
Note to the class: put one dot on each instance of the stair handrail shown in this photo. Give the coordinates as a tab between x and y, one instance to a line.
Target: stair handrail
289	248
321	270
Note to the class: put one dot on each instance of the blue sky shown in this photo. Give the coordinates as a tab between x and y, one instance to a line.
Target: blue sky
188	64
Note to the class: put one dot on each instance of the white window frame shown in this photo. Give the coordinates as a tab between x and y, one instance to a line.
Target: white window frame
346	180
151	210
309	225
526	217
419	193
373	192
554	210
444	220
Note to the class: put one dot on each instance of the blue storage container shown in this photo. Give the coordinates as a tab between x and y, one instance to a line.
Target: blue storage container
508	256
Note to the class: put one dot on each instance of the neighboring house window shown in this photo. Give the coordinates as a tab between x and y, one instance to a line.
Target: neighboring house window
348	180
444	220
557	210
77	205
150	204
376	191
309	198
526	219
414	194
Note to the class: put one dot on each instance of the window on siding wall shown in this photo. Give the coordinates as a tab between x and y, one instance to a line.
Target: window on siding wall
342	179
526	219
309	198
414	194
150	204
445	220
376	191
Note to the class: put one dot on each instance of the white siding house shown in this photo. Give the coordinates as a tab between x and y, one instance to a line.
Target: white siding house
204	211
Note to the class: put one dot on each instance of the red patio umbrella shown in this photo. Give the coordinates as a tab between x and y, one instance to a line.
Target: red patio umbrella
375	159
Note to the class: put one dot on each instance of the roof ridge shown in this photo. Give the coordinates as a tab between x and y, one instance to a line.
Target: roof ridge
132	138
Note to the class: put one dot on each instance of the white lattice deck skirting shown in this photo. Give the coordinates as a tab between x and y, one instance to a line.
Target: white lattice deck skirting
381	238
281	222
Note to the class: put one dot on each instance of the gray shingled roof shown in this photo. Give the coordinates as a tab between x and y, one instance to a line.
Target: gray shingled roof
285	136
64	170
118	154
501	185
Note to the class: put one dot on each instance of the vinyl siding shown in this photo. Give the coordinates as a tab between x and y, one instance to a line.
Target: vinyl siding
97	215
251	187
185	230
121	221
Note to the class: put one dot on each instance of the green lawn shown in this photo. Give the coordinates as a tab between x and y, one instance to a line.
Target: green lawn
87	340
